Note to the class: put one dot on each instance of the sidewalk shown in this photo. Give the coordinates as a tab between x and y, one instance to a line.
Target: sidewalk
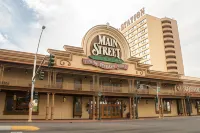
87	120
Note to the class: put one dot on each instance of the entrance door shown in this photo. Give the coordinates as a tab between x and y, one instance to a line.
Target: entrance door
179	107
198	106
107	110
111	111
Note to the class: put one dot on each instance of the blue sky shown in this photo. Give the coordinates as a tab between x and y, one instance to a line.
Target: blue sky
68	20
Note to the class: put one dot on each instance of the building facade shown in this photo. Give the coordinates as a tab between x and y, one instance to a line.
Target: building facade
155	41
96	81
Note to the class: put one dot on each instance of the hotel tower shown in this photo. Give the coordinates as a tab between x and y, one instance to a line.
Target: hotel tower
155	41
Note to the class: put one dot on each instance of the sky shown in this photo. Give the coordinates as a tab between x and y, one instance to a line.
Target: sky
67	21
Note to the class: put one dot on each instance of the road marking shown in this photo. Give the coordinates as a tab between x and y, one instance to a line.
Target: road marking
18	128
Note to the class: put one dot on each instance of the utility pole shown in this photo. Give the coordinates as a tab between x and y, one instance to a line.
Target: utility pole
136	100
33	79
158	101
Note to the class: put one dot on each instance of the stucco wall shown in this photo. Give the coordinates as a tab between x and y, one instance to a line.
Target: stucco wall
146	109
2	102
63	110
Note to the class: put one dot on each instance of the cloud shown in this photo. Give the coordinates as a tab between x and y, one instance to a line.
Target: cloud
5	16
67	21
5	43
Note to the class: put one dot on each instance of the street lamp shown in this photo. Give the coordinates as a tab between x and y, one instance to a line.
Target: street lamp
33	79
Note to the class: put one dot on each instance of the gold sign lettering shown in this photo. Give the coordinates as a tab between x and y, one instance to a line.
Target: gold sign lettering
132	19
106	46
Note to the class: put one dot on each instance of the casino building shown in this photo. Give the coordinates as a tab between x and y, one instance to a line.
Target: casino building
96	81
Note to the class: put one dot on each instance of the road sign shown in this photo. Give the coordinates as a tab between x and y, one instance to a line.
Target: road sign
158	89
99	94
31	104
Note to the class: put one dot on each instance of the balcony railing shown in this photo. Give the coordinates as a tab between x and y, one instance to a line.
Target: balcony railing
85	86
65	85
110	88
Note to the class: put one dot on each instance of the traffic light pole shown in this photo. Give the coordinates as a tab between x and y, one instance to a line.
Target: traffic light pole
33	79
39	67
136	107
158	101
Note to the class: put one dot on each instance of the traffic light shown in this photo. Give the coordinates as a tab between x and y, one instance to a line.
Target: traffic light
35	95
51	60
28	96
41	75
156	99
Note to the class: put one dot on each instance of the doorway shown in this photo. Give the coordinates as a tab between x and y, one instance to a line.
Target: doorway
108	109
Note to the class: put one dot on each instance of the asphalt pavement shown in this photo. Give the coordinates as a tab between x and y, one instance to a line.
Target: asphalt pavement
165	125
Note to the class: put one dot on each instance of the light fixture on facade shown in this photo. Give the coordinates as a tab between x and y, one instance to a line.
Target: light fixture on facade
64	99
14	97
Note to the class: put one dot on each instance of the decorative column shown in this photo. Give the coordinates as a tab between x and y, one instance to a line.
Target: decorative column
93	108
130	107
54	77
93	83
47	107
52	106
97	107
184	107
49	78
133	107
131	90
161	103
1	72
98	97
159	111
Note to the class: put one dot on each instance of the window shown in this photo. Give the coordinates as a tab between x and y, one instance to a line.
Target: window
59	81
147	62
18	103
131	29
131	44
167	106
141	22
78	84
143	47
143	26
146	56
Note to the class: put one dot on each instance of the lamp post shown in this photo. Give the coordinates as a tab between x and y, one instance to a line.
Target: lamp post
33	79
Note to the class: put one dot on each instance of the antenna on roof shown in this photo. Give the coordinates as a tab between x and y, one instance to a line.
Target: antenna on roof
107	24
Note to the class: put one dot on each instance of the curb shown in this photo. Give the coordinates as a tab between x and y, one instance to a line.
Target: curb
18	128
